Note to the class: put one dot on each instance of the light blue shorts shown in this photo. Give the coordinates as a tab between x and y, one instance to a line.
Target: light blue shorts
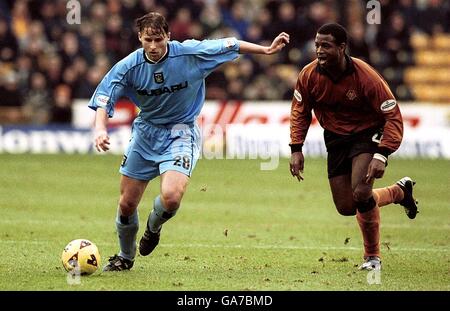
155	149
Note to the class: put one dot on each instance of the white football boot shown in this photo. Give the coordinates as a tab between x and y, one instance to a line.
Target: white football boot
371	263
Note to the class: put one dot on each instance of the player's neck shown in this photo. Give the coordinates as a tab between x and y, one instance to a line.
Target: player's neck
156	61
338	70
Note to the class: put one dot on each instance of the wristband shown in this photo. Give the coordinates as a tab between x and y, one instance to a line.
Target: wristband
296	147
380	157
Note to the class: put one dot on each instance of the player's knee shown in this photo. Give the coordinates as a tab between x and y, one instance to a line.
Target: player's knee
127	207
362	193
346	209
171	199
363	198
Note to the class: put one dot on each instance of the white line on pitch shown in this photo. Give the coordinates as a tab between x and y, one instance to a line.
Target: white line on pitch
402	249
304	247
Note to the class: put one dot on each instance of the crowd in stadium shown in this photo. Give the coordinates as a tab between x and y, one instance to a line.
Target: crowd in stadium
45	62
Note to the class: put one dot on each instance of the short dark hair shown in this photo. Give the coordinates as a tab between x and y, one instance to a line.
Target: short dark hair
152	20
337	31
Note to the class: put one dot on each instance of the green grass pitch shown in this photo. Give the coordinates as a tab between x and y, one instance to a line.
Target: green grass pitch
239	228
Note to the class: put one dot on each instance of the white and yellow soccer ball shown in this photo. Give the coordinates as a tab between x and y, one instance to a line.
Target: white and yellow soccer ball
81	256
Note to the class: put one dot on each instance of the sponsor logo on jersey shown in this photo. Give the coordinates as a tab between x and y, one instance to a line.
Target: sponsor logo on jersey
230	42
102	100
159	77
298	96
164	90
388	105
351	94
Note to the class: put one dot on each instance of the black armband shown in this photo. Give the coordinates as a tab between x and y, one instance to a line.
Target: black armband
296	147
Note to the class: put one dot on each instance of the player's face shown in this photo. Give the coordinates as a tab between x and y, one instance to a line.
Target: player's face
154	43
327	51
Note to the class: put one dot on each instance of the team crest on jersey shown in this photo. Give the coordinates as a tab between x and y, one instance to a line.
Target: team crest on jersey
351	94
159	77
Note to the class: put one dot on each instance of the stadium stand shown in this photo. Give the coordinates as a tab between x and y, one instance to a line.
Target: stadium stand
429	79
46	62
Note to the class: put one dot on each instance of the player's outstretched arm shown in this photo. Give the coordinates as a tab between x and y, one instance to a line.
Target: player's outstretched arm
277	45
101	138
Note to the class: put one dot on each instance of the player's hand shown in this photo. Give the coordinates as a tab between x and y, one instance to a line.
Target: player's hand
278	43
375	170
296	165
101	140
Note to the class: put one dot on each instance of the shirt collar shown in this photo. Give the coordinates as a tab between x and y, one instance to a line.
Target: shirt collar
166	55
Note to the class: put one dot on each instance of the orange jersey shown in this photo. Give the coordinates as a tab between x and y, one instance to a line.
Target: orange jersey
359	100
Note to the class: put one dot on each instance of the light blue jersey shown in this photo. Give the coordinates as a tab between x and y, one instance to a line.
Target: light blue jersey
171	91
170	95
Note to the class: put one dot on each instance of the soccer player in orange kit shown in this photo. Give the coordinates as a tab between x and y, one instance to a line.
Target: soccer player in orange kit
362	127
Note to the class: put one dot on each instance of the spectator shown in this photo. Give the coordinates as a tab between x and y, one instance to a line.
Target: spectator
53	66
8	43
9	91
87	86
434	18
24	69
180	26
357	44
61	112
20	21
210	19
35	38
10	99
235	18
119	40
395	40
37	101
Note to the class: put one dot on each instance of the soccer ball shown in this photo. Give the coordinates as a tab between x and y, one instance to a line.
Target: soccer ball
81	255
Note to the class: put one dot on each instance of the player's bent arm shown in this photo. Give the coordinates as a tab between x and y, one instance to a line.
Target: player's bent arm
384	102
277	44
101	137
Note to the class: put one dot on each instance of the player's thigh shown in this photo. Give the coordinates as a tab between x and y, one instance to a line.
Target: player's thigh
139	162
131	191
341	189
361	152
183	152
338	162
360	165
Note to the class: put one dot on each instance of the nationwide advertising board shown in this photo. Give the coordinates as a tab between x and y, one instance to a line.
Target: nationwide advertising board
230	129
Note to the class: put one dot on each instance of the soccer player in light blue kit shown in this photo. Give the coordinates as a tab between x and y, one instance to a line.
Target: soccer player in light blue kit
166	80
